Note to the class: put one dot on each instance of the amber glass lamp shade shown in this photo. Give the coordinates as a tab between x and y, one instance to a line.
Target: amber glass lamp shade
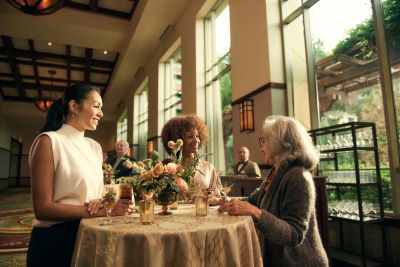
246	110
150	146
44	104
37	7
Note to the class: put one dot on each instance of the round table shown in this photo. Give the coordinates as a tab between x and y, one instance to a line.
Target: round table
181	239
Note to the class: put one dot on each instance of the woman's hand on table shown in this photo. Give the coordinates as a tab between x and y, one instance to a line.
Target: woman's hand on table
93	206
122	207
238	207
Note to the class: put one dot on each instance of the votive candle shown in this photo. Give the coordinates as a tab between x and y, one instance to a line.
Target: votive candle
201	205
146	210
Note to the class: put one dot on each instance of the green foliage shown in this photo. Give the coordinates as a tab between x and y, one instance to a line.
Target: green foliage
364	33
226	84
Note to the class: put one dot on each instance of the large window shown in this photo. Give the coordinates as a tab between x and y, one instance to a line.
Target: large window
172	85
218	86
141	111
340	52
122	127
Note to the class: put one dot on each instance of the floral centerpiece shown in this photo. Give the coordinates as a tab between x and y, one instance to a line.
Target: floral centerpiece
108	174
156	177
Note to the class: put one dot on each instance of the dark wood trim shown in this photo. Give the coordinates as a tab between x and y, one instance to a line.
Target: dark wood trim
9	51
35	67
68	52
51	56
9	75
392	222
133	8
101	10
2	148
52	65
33	86
88	63
19	144
263	88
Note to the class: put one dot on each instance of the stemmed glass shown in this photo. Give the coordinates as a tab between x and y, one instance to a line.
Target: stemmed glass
108	201
225	191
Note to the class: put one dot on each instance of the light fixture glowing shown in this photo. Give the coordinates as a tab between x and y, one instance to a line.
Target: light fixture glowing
44	104
246	110
105	52
49	43
37	7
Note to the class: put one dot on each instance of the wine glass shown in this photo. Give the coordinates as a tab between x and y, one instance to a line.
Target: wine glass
226	188
109	199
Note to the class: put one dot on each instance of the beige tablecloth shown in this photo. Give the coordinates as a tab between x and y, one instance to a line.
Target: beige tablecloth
181	239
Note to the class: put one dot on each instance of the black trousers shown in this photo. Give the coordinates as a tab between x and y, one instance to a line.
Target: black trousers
52	246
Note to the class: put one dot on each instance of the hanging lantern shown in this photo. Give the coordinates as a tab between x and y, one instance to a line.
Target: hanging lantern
37	7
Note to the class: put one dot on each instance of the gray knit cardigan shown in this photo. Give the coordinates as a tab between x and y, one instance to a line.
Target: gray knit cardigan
287	229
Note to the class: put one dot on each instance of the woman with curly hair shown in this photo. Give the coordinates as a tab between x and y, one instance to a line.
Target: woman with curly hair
193	131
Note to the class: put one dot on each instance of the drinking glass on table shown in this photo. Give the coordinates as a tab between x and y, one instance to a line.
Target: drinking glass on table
109	199
226	188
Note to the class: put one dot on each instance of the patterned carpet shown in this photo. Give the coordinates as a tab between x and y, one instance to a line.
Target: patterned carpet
16	217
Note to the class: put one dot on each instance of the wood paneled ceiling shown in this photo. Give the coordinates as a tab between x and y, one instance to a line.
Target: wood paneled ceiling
124	10
79	32
25	63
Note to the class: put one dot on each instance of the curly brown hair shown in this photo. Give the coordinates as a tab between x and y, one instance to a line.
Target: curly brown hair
175	128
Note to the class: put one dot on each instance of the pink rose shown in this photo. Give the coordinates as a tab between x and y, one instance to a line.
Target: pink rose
141	164
157	170
171	168
183	186
147	175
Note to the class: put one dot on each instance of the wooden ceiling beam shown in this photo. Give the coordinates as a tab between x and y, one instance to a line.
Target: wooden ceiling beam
9	52
100	10
88	64
12	84
56	57
59	66
68	51
34	65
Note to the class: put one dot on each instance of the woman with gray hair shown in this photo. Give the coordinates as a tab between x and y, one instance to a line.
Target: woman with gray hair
283	209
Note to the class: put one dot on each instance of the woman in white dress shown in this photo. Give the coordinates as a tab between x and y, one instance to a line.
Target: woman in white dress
66	176
193	131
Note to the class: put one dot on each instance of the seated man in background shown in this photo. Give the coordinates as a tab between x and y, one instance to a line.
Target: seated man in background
121	163
245	166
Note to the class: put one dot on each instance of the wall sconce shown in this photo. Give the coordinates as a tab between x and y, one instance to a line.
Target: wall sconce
150	146
246	110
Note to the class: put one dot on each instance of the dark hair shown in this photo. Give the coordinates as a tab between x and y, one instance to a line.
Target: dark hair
175	128
59	109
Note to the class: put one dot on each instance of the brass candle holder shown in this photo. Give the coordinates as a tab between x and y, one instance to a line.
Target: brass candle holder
201	205
146	210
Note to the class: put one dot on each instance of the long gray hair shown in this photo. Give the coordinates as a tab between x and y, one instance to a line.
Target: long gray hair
289	141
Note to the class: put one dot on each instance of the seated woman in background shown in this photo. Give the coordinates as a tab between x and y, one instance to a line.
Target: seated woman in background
283	209
66	176
193	131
